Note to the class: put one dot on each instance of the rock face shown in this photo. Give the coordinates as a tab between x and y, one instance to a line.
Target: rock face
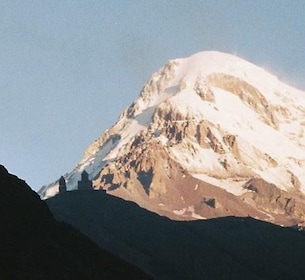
35	246
210	135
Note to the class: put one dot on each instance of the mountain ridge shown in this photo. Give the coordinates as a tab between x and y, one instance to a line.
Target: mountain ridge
220	248
36	246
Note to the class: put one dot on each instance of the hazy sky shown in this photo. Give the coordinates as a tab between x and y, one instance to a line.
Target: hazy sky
68	68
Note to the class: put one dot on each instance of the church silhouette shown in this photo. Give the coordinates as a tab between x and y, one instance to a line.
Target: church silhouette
85	184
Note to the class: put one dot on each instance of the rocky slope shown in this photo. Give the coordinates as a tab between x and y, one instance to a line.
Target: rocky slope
210	135
35	246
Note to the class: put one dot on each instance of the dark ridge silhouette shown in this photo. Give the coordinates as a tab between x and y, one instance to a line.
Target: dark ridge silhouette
220	249
33	245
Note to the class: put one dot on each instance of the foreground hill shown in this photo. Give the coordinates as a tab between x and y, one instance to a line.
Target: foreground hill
223	248
35	246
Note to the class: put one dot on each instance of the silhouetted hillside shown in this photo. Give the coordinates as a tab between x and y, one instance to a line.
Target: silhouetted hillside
224	248
35	246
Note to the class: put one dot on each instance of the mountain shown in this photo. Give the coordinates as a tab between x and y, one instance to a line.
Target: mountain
33	245
220	248
210	135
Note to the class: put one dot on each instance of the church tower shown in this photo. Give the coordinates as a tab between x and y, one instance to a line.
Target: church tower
62	185
85	183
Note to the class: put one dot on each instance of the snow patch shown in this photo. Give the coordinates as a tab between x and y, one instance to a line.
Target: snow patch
229	185
188	212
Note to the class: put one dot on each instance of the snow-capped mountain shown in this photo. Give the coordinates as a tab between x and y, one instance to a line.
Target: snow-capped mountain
210	135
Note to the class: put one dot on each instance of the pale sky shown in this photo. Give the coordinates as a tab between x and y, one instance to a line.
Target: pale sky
69	68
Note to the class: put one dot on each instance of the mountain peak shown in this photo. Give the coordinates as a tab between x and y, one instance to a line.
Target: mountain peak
214	61
209	62
215	122
205	69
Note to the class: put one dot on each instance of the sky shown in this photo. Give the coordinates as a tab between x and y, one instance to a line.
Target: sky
69	68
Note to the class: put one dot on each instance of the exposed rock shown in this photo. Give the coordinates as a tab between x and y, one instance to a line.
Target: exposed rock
201	134
215	143
202	88
270	199
247	93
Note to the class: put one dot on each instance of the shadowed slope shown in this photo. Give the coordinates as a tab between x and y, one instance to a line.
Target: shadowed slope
224	248
35	246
